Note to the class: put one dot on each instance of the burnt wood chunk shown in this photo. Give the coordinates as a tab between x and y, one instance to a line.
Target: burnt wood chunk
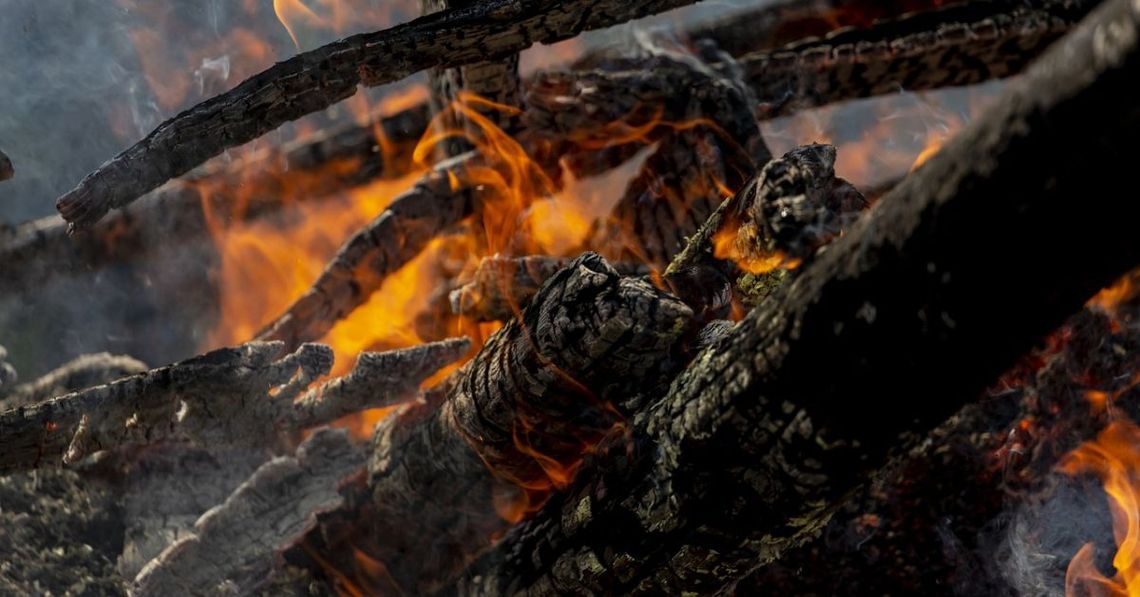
513	423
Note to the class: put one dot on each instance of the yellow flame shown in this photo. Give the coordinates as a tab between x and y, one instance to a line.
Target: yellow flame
1114	457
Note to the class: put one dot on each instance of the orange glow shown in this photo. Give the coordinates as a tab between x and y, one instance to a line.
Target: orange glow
725	246
1114	457
266	264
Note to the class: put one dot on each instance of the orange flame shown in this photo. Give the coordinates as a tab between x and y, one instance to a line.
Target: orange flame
1114	457
725	246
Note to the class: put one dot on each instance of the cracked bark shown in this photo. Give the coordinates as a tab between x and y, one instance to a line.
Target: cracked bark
749	451
233	547
513	422
315	80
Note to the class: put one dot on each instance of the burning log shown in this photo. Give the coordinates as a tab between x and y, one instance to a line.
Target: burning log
82	372
746	455
970	469
315	80
234	546
502	286
439	200
497	81
586	349
231	396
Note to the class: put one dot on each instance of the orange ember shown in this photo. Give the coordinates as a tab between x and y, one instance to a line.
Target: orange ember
1114	457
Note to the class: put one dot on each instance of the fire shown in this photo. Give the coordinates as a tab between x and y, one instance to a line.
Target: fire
725	246
1114	457
265	265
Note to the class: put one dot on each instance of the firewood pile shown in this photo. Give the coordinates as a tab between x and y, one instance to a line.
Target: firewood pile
743	373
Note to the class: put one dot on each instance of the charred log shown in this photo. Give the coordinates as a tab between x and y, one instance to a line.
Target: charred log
443	475
753	445
783	216
260	186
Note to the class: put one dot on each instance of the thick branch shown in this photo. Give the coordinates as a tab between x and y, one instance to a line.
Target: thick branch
234	546
758	439
317	79
958	45
379	379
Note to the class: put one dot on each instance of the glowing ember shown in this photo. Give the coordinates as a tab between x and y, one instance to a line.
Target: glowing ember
1114	457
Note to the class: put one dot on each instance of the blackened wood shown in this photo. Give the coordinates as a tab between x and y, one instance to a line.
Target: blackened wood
385	245
243	396
319	78
758	439
517	416
964	45
497	81
502	286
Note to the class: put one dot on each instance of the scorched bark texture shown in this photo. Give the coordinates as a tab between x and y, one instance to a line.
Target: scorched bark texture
579	356
754	444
